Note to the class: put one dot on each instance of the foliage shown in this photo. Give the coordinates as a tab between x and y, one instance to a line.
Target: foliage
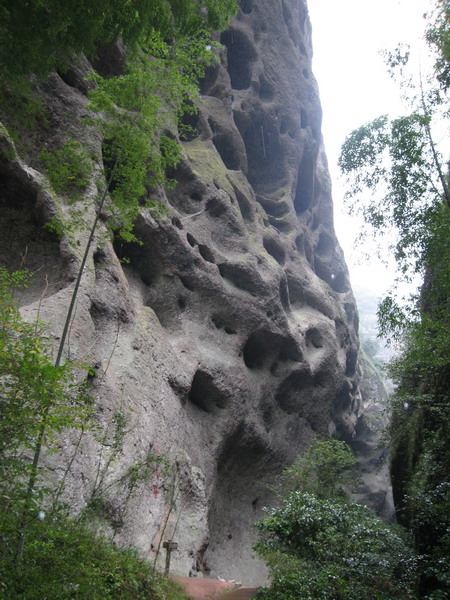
168	45
68	167
420	453
21	107
133	109
342	551
323	470
399	162
320	546
38	37
110	496
393	160
30	385
63	560
328	549
438	37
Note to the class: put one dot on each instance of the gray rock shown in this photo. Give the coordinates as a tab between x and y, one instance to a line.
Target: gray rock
231	333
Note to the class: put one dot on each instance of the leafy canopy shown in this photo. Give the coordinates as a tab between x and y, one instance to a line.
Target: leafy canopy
398	162
38	37
318	545
324	469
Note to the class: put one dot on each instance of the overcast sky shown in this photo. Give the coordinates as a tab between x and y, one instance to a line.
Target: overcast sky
355	88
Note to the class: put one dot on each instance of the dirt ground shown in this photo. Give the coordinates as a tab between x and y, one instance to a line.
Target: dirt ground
199	588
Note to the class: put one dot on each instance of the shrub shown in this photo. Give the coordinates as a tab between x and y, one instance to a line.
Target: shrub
65	561
330	549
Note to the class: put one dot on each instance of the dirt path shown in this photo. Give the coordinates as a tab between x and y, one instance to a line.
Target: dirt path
199	588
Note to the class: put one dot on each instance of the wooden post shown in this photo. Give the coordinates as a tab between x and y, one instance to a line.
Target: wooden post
169	545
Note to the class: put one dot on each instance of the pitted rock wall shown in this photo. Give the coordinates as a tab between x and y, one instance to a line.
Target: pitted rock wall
229	337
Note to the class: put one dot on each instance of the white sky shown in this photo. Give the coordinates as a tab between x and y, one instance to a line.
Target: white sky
355	88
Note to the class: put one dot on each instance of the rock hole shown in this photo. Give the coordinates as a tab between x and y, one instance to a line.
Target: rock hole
146	264
266	90
246	6
258	349
208	81
181	173
220	323
304	119
325	245
352	359
304	194
188	125
339	282
177	223
103	314
274	208
284	125
306	73
109	59
314	338
342	333
186	283
229	154
262	146
242	277
205	394
264	347
245	206
284	294
206	253
196	197
215	207
181	302
240	55
281	224
275	250
24	241
191	239
352	314
245	466
294	395
289	350
75	77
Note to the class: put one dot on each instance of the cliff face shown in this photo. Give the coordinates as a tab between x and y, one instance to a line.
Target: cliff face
374	489
230	333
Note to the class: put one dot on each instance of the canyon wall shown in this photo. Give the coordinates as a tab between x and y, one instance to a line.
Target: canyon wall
229	337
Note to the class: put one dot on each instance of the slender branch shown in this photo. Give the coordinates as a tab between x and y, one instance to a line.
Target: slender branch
445	187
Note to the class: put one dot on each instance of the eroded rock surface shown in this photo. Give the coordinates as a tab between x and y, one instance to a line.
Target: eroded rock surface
231	332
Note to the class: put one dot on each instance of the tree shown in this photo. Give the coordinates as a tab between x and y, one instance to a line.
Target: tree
399	162
324	470
38	37
320	546
29	384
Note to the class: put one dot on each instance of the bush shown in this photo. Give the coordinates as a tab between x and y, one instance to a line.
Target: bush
324	469
331	549
64	560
